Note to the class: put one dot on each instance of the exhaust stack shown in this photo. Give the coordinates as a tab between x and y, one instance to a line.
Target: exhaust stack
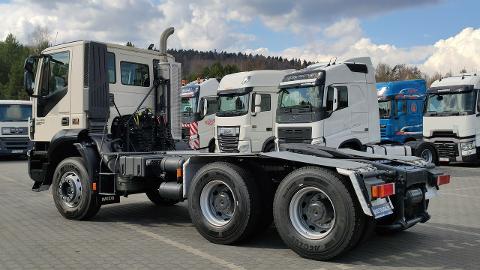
163	39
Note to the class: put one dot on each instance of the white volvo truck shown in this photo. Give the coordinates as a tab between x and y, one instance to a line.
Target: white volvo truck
199	105
335	105
245	119
14	116
452	118
324	201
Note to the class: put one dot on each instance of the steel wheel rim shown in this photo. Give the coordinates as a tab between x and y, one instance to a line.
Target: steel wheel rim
427	155
70	189
218	203
312	213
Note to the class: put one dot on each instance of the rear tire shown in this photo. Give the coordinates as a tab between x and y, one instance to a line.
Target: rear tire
72	190
223	202
316	214
427	152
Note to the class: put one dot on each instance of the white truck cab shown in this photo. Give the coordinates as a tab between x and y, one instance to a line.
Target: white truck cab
199	105
245	119
329	105
14	116
452	117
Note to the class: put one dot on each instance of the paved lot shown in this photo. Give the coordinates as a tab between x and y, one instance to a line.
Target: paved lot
137	235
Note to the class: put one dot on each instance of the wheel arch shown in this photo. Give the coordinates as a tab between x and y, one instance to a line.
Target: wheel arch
352	142
269	140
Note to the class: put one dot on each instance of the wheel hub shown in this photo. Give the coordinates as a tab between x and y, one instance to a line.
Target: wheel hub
217	203
312	213
70	189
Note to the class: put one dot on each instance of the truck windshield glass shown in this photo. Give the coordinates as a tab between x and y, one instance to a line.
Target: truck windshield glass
233	104
189	104
385	107
450	103
301	97
14	112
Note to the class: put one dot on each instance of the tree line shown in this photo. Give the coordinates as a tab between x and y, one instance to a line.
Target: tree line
195	64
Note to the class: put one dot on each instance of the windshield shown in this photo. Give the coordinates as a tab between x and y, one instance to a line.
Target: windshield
233	105
385	107
15	112
189	104
450	103
301	97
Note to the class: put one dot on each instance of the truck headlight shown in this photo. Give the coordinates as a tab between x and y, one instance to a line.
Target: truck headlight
244	147
468	148
6	130
228	131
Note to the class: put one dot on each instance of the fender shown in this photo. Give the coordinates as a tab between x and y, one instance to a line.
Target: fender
69	136
352	142
270	139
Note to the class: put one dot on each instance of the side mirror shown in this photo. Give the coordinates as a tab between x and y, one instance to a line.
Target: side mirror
205	107
335	99
258	102
28	75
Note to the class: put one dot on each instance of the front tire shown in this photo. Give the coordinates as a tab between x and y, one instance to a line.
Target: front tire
72	191
316	214
427	152
223	202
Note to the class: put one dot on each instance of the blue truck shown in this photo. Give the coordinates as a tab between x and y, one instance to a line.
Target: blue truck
401	110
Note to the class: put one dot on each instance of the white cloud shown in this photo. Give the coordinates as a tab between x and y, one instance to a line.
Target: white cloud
455	53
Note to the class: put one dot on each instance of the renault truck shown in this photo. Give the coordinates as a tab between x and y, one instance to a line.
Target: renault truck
199	105
106	120
451	118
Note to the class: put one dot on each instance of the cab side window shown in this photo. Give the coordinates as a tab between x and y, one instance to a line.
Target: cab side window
135	74
54	81
266	104
211	105
342	98
112	77
478	101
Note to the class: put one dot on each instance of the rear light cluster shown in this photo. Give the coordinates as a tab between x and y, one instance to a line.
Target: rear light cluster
443	179
383	190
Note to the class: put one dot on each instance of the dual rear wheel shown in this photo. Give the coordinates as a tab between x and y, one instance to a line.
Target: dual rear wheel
314	210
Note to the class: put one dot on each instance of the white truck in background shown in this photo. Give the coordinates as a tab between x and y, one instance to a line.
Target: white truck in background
451	118
14	115
245	119
336	105
199	105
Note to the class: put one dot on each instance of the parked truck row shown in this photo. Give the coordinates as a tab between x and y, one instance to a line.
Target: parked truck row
106	123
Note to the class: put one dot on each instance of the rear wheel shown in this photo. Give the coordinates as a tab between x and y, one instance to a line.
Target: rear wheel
427	152
223	202
72	191
316	215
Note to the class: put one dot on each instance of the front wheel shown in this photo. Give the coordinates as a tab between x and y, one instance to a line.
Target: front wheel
427	152
72	190
316	214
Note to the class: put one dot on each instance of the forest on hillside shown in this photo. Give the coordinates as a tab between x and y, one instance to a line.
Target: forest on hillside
195	64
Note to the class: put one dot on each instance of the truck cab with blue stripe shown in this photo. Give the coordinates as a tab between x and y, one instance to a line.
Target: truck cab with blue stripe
401	108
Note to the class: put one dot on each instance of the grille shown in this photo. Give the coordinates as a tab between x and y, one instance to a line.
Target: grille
383	130
15	143
444	134
446	150
228	144
295	135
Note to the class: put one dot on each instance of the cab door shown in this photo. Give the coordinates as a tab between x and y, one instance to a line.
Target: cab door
337	125
261	122
206	123
52	107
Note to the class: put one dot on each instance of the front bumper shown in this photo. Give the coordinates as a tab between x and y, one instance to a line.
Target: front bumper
10	146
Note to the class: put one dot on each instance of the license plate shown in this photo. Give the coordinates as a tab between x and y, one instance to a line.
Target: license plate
381	208
443	159
17	151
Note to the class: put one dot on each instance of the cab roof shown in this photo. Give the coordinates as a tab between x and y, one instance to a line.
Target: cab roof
463	79
255	78
408	87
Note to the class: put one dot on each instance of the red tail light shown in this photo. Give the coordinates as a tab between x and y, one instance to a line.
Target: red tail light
383	190
443	179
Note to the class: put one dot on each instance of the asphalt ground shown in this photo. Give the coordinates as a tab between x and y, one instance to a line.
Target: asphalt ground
135	234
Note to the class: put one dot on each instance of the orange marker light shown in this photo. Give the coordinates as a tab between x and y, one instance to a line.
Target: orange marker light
94	186
383	190
179	172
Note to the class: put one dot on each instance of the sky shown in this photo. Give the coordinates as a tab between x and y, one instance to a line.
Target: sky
435	35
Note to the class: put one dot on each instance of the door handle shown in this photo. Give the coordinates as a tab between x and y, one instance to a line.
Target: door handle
268	129
65	121
254	126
